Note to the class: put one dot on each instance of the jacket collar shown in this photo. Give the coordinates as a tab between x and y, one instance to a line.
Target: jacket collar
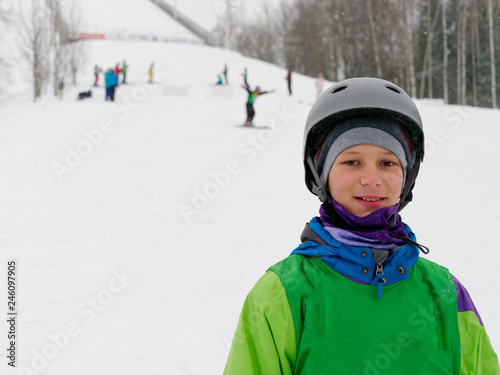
361	264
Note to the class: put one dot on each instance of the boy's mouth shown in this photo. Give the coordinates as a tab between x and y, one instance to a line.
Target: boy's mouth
369	199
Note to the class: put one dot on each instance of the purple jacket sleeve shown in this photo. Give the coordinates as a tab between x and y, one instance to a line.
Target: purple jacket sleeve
476	352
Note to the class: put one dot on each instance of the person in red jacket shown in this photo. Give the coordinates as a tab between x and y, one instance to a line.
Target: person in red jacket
289	79
118	71
97	70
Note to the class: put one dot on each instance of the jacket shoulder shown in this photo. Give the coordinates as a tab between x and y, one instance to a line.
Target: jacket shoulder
430	269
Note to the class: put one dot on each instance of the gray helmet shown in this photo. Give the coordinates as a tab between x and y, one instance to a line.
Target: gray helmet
361	97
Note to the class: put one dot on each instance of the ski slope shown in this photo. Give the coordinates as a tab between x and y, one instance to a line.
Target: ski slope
126	18
139	226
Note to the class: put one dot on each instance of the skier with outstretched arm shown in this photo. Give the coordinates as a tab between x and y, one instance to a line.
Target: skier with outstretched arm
252	95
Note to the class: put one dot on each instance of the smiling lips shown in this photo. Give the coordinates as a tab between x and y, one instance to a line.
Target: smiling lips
370	201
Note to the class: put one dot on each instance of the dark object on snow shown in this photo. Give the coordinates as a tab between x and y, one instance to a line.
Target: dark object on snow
84	94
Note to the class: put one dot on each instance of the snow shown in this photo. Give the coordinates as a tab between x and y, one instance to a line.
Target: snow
119	16
139	226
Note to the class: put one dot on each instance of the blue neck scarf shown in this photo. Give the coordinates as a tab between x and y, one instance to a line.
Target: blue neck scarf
378	230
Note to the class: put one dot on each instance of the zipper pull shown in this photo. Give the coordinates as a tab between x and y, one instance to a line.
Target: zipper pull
379	272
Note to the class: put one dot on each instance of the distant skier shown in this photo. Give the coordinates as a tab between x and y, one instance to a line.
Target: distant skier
252	95
225	74
111	81
219	81
124	72
319	85
97	70
107	85
289	79
150	72
117	72
245	75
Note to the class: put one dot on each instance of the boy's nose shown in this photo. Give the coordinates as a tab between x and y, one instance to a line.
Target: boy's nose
371	176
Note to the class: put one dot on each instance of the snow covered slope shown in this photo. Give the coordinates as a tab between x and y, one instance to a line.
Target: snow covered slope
139	226
129	17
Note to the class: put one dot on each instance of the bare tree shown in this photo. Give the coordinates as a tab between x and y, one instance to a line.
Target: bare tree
49	44
476	52
461	51
332	70
445	51
228	25
409	42
35	30
492	55
373	32
391	39
75	49
57	46
5	21
258	40
427	66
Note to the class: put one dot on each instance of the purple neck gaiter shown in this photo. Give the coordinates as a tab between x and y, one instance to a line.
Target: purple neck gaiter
374	230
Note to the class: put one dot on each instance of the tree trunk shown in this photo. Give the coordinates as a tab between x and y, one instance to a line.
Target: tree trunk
463	59
427	64
476	51
373	32
409	39
35	47
459	53
227	35
492	55
445	52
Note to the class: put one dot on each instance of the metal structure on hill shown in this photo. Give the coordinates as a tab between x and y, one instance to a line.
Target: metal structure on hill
185	21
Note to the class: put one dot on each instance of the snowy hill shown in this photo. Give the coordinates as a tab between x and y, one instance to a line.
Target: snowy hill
130	17
139	226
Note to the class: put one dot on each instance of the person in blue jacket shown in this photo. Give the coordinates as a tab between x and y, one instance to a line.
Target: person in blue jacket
355	297
111	81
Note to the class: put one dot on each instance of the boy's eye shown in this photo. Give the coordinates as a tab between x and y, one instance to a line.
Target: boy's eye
388	163
351	162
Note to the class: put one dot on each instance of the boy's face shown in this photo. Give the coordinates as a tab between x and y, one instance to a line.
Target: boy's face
364	178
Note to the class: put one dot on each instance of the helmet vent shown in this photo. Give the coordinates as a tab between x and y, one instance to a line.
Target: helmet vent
392	88
338	89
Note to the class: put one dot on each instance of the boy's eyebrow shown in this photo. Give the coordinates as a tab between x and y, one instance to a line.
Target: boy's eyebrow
350	152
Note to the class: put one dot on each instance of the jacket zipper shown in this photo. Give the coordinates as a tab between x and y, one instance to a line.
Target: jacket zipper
379	272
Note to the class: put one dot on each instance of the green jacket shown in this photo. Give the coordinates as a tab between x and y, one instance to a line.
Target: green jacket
302	318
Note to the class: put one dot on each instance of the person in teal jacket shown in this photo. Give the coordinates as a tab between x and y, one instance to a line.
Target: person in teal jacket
355	297
111	81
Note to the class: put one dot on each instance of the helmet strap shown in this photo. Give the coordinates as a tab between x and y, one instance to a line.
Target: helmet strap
320	189
406	195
